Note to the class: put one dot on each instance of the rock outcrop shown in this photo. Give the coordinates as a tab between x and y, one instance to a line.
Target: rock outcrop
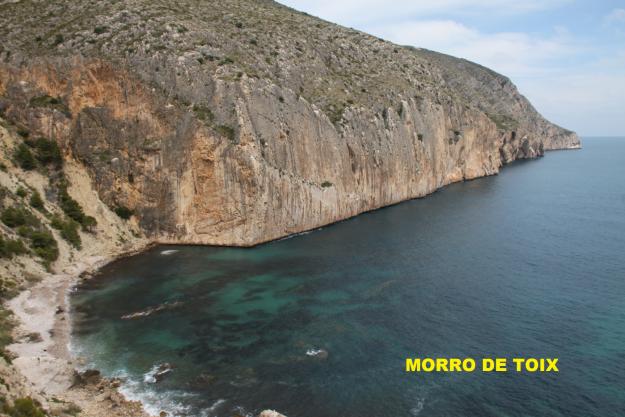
270	413
237	122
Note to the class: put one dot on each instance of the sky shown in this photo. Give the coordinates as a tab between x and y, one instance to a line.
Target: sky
566	56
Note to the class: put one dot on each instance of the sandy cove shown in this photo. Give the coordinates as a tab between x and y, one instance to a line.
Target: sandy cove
42	348
42	345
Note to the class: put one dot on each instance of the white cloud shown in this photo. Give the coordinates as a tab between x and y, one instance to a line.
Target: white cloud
588	96
616	16
615	21
353	12
575	81
511	53
591	103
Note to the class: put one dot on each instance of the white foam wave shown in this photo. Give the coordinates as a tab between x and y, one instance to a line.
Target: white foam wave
155	401
241	411
416	410
169	252
157	372
208	412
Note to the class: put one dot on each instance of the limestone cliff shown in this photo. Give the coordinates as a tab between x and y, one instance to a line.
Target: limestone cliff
236	122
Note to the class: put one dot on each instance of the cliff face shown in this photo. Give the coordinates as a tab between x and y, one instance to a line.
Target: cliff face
238	122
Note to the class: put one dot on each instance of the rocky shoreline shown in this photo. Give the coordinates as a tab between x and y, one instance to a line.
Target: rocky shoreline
114	135
46	362
36	364
52	375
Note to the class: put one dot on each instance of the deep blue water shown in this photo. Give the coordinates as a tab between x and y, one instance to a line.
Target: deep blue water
527	263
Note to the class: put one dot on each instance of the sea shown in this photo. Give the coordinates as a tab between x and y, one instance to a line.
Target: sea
529	263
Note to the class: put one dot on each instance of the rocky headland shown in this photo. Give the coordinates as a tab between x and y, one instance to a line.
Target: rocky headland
232	122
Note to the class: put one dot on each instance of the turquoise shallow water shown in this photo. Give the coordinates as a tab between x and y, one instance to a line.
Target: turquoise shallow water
527	263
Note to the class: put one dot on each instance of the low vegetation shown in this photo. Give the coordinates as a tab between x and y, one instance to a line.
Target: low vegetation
54	103
33	235
504	122
36	201
6	324
47	152
226	131
42	242
41	152
22	407
11	247
18	216
68	229
124	212
24	158
203	113
73	210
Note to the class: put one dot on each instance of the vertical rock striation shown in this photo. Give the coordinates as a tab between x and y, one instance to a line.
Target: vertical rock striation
239	122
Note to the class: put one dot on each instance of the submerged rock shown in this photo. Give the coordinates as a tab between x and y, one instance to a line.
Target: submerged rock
88	377
204	379
270	413
151	310
318	353
158	373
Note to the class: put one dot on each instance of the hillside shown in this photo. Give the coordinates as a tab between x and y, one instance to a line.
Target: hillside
238	122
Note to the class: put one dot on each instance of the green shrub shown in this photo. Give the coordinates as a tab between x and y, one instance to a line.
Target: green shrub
73	210
55	103
203	113
24	231
72	409
6	330
326	184
226	131
98	30
17	216
504	122
23	132
8	289
42	242
24	157
69	231
88	223
225	61
335	113
70	206
124	212
44	245
36	201
24	407
10	248
6	327
21	192
48	152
